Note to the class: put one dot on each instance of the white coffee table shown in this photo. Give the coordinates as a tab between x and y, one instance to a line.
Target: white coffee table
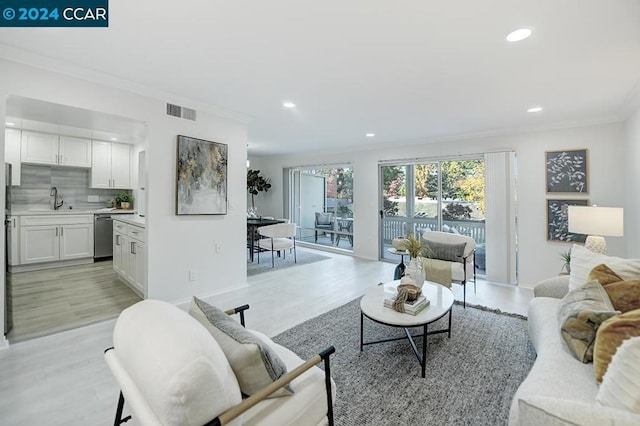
372	307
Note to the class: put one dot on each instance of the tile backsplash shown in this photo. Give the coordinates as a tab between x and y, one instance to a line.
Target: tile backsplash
73	188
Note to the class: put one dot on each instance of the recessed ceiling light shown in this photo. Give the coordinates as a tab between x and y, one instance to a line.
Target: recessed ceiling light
114	139
288	104
519	35
535	109
10	124
370	135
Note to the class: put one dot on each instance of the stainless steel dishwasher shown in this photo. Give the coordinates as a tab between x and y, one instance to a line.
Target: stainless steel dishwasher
102	235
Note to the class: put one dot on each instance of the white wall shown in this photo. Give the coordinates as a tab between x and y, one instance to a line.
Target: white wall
175	244
538	258
632	207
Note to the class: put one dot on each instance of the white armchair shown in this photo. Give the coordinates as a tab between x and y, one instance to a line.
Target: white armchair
278	237
462	269
172	371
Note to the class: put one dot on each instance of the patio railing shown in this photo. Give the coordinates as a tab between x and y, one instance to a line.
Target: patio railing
393	227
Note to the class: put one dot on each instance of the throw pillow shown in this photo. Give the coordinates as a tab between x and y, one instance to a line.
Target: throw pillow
323	218
581	312
452	252
604	275
254	363
624	295
609	336
584	260
621	384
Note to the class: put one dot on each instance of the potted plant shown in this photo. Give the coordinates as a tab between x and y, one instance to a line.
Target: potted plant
255	185
124	199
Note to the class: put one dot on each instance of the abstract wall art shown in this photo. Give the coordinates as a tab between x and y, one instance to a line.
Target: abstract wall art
558	221
566	171
201	185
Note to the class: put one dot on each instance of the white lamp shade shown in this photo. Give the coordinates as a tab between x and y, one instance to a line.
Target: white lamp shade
604	221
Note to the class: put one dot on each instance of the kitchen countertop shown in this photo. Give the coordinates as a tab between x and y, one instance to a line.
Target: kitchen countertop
67	212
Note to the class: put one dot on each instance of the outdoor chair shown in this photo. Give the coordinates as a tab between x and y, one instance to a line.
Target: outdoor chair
173	369
324	223
278	238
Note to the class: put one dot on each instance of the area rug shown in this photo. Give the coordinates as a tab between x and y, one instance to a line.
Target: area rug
304	257
470	378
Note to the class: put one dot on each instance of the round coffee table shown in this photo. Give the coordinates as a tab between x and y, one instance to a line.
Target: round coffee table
372	307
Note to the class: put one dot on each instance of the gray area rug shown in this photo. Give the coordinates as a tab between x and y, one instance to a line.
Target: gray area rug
303	257
471	377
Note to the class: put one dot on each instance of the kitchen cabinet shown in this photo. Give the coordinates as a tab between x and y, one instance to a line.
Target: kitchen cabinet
129	255
12	153
44	148
110	165
55	238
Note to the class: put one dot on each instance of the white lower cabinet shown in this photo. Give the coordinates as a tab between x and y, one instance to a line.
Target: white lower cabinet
55	238
129	255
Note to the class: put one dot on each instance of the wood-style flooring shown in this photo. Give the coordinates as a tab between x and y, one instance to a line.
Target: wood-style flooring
62	379
53	300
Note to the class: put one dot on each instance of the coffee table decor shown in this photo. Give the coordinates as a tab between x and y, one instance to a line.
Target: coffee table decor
409	299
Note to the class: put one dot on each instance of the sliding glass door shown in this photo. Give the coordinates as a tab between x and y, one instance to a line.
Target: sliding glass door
444	196
320	201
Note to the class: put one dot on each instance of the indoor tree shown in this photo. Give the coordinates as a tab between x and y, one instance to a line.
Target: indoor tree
256	184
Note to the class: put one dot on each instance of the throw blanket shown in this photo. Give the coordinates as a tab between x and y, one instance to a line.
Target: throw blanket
438	271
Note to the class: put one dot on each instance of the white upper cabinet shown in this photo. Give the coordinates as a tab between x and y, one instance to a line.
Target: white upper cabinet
44	148
110	165
74	151
39	148
12	154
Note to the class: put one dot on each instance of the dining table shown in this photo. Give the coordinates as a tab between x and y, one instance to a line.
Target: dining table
252	225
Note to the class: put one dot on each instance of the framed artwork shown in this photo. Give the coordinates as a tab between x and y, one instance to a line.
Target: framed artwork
558	221
566	171
201	184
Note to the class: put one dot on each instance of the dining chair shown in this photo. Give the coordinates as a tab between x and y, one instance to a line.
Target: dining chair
278	237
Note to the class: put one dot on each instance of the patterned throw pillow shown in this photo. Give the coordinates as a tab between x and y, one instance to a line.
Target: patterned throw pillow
254	363
581	312
610	336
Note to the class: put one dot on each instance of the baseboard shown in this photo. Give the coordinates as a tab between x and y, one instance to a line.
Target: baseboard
4	343
49	265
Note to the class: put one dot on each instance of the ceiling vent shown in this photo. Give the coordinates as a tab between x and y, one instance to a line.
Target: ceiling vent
181	112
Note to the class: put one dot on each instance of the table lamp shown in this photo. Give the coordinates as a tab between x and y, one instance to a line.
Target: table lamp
596	222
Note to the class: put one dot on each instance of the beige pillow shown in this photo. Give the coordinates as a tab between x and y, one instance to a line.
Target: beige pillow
254	363
609	336
620	386
580	314
604	275
584	260
624	295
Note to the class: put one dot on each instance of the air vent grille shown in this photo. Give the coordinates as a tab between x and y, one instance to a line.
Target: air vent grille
181	112
189	114
174	110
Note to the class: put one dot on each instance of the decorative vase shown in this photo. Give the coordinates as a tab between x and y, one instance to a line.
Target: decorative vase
399	244
125	205
415	271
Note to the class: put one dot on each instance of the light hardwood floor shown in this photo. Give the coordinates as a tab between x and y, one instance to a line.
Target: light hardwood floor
62	379
53	300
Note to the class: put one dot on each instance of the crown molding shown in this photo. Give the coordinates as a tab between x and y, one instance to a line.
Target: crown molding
36	60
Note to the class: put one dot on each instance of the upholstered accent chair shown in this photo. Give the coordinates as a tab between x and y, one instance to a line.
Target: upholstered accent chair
172	370
278	238
463	267
324	223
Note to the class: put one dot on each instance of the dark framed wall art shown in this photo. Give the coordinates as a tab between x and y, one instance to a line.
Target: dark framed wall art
558	221
201	184
566	171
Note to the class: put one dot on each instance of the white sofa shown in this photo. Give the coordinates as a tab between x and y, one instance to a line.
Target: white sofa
559	390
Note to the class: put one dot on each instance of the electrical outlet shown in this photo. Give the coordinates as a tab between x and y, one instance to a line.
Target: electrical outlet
193	275
218	247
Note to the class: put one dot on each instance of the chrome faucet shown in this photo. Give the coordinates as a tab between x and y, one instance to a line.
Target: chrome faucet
54	194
